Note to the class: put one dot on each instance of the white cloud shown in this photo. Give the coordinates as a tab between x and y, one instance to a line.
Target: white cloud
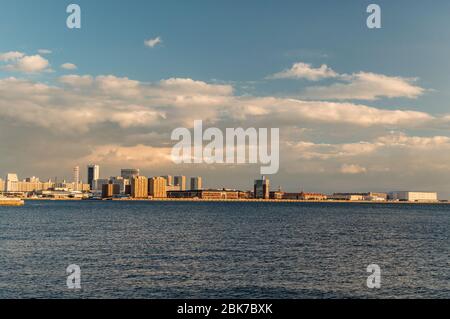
118	120
138	155
366	86
357	86
11	56
191	87
352	169
77	80
401	139
293	112
69	66
118	86
44	51
151	43
312	151
85	101
19	62
305	71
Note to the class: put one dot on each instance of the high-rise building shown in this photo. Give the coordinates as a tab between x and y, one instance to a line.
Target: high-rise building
11	183
76	177
196	183
2	185
157	187
109	190
180	181
262	188
122	182
129	173
93	174
139	187
98	184
169	180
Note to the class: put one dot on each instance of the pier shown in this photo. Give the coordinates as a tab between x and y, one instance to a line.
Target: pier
4	201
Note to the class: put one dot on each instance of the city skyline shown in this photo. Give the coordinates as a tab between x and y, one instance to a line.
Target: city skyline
262	188
357	109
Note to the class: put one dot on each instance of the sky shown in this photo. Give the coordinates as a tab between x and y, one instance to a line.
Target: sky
358	109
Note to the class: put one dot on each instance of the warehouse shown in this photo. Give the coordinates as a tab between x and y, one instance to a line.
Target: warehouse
414	196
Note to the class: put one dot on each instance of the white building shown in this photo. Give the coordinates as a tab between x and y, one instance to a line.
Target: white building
347	197
12	183
76	177
414	196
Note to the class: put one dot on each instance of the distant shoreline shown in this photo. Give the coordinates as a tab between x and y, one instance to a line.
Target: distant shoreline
240	201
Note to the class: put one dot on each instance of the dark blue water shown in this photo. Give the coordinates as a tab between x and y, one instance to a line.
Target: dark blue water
224	250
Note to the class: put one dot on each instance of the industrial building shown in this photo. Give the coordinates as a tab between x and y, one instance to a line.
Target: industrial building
205	194
408	196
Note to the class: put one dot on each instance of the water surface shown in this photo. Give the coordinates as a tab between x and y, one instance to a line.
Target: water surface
224	250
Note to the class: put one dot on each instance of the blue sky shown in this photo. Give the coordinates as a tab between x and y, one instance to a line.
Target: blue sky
212	48
238	40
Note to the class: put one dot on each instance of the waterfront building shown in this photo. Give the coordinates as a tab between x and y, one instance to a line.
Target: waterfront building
110	190
129	173
11	182
33	184
262	188
76	176
408	196
173	188
209	194
312	196
347	197
139	187
93	174
359	196
196	183
98	184
122	182
376	197
169	180
2	185
157	187
180	181
291	196
245	195
276	195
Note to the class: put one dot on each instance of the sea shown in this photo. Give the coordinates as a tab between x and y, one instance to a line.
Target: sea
257	250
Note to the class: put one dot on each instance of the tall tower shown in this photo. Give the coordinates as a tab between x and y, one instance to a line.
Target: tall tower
262	188
180	181
196	183
76	177
129	173
169	180
93	173
11	183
